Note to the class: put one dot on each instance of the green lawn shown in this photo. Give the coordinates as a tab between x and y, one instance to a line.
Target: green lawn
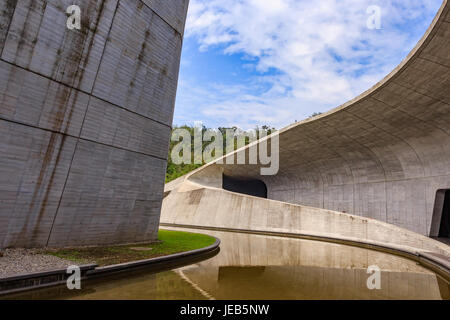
170	242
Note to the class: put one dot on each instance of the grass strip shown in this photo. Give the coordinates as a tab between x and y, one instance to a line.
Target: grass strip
170	242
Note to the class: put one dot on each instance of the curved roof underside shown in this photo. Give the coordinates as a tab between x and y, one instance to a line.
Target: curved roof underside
383	154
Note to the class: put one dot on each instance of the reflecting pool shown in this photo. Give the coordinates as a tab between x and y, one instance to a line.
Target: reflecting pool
265	267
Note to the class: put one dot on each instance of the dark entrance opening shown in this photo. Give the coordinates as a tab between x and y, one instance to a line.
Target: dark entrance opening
252	187
440	224
444	229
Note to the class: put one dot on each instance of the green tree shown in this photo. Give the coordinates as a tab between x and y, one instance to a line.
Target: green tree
175	171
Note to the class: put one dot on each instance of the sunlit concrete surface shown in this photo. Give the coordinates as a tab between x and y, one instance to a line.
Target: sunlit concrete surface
85	119
369	170
262	267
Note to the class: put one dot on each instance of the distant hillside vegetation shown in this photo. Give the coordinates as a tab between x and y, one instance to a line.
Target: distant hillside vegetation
177	170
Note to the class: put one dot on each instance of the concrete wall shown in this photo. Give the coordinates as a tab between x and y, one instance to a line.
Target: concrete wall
85	119
383	155
191	204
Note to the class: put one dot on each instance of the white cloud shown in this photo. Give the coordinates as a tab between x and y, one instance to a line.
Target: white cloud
322	50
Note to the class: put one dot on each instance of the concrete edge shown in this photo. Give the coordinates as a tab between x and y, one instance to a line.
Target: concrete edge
40	280
85	267
112	269
433	261
436	263
37	280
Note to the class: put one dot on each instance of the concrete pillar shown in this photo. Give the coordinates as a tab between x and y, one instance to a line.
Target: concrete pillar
85	119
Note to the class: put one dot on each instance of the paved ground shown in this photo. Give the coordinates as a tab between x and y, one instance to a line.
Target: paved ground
20	261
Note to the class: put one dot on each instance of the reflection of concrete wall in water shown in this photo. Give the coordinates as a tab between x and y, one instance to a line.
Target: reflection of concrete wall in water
85	119
252	267
288	282
245	250
143	285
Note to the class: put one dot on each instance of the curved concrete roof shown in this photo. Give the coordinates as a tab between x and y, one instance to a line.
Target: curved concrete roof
383	155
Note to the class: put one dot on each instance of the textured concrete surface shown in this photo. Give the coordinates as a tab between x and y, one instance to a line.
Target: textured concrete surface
191	204
381	157
85	119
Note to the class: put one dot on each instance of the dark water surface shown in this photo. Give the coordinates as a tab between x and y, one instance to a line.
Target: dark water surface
264	267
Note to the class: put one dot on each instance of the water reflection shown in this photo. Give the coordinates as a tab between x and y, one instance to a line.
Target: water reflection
261	267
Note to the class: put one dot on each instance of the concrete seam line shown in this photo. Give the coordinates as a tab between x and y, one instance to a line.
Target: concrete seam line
194	285
75	149
163	19
82	91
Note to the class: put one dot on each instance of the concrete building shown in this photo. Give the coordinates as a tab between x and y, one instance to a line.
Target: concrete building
376	169
85	119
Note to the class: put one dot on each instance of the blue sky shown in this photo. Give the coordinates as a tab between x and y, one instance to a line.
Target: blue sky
255	62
